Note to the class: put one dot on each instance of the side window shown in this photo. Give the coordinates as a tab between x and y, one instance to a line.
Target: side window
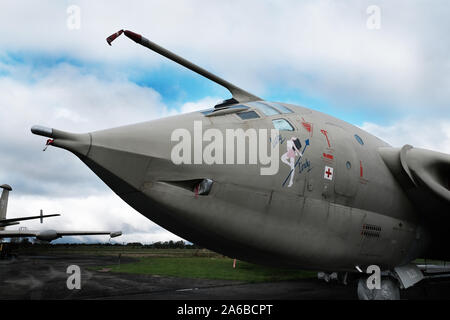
282	125
248	115
264	108
358	138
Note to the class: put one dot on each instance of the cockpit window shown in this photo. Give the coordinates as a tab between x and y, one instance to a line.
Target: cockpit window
282	125
248	115
264	108
282	108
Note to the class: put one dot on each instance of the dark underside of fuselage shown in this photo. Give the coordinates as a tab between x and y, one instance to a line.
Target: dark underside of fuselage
174	221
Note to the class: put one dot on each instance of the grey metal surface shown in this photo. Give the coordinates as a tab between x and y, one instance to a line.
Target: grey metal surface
409	275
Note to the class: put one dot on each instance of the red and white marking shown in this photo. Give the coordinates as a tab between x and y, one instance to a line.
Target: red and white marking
328	174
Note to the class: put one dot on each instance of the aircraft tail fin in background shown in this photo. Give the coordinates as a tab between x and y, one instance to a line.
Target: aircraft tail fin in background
4	200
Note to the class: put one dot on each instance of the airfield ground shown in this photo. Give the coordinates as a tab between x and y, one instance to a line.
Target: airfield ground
172	274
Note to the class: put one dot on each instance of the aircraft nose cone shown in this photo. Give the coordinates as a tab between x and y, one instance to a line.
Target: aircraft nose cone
79	144
119	156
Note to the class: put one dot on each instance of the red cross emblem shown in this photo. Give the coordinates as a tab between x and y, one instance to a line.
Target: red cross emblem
328	173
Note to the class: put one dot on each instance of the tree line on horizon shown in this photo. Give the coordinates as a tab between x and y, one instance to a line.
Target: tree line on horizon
156	245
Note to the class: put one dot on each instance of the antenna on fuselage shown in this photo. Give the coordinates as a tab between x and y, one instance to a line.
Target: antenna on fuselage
239	95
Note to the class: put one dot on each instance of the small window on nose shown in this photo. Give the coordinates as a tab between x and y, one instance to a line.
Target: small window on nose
358	138
282	125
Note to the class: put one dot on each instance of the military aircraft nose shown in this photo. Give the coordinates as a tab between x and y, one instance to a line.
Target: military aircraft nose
79	144
119	156
108	153
135	162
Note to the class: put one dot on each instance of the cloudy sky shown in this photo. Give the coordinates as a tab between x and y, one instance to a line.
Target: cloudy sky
57	70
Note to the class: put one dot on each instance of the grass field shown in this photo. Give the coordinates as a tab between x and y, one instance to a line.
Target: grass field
183	263
208	268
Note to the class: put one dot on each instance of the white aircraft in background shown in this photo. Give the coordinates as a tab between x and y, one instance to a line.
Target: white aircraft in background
44	235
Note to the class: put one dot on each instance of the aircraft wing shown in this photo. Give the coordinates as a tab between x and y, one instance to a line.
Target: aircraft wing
49	235
113	234
8	222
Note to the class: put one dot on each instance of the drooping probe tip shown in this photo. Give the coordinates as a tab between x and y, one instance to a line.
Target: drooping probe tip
130	34
114	36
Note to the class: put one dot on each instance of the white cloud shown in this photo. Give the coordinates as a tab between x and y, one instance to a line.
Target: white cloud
105	212
71	96
420	133
321	47
202	104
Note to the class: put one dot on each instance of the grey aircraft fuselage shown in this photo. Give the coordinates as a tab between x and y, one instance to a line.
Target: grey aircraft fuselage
360	217
353	200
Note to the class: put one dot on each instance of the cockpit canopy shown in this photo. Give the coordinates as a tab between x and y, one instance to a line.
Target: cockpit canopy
245	112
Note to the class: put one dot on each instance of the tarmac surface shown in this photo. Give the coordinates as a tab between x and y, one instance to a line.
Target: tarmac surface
45	277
